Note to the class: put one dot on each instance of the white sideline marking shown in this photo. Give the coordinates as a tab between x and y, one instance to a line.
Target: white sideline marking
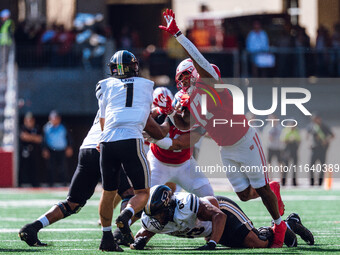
37	203
51	202
94	221
56	240
14	230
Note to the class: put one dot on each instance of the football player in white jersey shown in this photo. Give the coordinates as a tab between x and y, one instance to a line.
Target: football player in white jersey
218	219
83	184
125	103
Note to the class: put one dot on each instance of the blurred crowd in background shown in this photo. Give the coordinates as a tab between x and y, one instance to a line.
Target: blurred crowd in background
265	45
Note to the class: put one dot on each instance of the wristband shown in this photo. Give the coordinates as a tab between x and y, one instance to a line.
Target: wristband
165	143
178	34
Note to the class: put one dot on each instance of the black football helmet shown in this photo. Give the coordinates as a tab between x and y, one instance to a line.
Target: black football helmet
123	64
160	206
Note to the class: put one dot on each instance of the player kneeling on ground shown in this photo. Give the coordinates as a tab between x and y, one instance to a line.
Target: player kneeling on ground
219	219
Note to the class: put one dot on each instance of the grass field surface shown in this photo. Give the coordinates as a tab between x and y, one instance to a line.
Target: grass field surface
79	234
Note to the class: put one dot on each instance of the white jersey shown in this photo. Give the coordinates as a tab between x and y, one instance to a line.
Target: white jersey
92	138
185	222
125	104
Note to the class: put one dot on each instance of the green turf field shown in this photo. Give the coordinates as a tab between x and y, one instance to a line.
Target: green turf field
80	234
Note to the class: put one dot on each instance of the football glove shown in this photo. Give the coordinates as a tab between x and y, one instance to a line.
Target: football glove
164	104
185	101
139	244
171	26
211	245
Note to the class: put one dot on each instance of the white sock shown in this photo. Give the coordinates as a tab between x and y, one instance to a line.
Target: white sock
44	221
105	229
131	210
130	221
278	221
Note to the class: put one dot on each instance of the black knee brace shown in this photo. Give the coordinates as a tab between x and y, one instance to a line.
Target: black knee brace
139	214
66	209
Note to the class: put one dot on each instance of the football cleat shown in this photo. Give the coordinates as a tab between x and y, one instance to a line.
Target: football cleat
290	238
275	187
108	243
295	224
29	234
279	235
122	223
119	237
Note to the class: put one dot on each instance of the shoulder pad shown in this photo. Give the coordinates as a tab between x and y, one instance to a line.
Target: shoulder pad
187	202
100	88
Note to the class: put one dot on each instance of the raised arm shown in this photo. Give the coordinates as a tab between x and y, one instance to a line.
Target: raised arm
202	65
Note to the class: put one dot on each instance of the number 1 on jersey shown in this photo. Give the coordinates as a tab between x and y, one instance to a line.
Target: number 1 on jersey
129	94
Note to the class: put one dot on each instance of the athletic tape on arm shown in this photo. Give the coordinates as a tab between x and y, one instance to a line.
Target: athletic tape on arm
196	55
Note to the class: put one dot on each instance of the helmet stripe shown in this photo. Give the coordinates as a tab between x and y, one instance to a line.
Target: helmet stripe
121	64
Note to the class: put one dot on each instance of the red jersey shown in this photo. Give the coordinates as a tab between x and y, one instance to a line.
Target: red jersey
219	108
169	156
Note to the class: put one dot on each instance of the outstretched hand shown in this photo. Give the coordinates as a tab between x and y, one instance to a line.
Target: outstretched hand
171	26
185	100
164	104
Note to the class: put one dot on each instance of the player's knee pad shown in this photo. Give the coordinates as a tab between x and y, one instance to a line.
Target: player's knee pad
66	209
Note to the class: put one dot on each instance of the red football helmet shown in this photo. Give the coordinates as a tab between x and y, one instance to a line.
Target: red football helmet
186	75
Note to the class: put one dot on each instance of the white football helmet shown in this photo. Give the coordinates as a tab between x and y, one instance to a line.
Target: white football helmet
186	67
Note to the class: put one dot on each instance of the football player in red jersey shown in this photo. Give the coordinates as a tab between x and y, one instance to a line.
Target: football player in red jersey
239	144
171	158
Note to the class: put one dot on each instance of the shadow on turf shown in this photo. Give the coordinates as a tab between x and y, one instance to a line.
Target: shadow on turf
21	250
317	248
223	250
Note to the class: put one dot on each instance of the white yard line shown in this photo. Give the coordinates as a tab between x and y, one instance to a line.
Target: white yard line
50	202
14	230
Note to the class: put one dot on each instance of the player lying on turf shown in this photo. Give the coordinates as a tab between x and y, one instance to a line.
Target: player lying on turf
218	219
83	183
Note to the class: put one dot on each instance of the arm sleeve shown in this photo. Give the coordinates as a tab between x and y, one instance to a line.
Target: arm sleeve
196	55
